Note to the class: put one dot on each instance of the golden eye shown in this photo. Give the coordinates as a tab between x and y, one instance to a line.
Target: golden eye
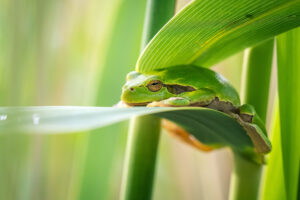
154	85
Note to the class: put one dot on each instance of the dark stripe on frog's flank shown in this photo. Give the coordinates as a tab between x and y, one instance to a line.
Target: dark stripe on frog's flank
178	89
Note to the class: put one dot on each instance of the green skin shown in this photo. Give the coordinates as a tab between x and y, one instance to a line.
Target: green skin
207	86
207	83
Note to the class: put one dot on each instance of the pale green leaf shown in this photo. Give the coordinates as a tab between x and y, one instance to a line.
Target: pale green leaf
209	126
274	184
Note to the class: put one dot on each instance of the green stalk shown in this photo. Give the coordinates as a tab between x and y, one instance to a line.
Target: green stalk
158	13
245	179
256	77
245	182
141	156
143	139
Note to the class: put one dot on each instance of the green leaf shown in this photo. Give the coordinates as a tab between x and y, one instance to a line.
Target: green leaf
206	31
209	126
289	107
274	184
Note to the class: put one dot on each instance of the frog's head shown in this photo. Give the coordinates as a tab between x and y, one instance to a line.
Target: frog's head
141	89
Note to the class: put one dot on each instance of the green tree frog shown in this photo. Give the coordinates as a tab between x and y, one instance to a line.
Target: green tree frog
190	85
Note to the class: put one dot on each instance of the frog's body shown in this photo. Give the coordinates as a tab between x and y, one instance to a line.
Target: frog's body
191	86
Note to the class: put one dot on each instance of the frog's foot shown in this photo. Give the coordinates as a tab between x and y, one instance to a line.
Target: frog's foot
184	136
254	127
246	112
173	101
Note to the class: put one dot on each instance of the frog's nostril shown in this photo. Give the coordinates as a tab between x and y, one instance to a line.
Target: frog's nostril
131	89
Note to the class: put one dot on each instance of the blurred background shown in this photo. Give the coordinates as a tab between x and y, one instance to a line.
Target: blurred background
76	52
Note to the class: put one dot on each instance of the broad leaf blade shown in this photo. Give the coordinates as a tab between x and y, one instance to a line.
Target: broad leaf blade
274	184
289	108
206	31
209	126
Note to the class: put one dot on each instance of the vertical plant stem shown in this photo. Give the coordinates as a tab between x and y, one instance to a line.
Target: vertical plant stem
245	182
142	144
245	179
157	14
141	156
256	77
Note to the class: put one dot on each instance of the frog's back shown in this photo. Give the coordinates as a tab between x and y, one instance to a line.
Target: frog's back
199	77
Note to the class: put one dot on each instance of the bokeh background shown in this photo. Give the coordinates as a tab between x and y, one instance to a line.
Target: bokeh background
76	52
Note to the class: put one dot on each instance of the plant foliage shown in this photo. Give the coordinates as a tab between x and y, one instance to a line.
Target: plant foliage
205	31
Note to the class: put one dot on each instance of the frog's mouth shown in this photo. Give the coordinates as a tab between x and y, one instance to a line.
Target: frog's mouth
137	104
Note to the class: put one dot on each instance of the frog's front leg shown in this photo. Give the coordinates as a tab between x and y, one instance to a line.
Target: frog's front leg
248	114
255	128
200	97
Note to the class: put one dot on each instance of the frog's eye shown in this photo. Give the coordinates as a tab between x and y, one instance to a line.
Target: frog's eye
154	85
